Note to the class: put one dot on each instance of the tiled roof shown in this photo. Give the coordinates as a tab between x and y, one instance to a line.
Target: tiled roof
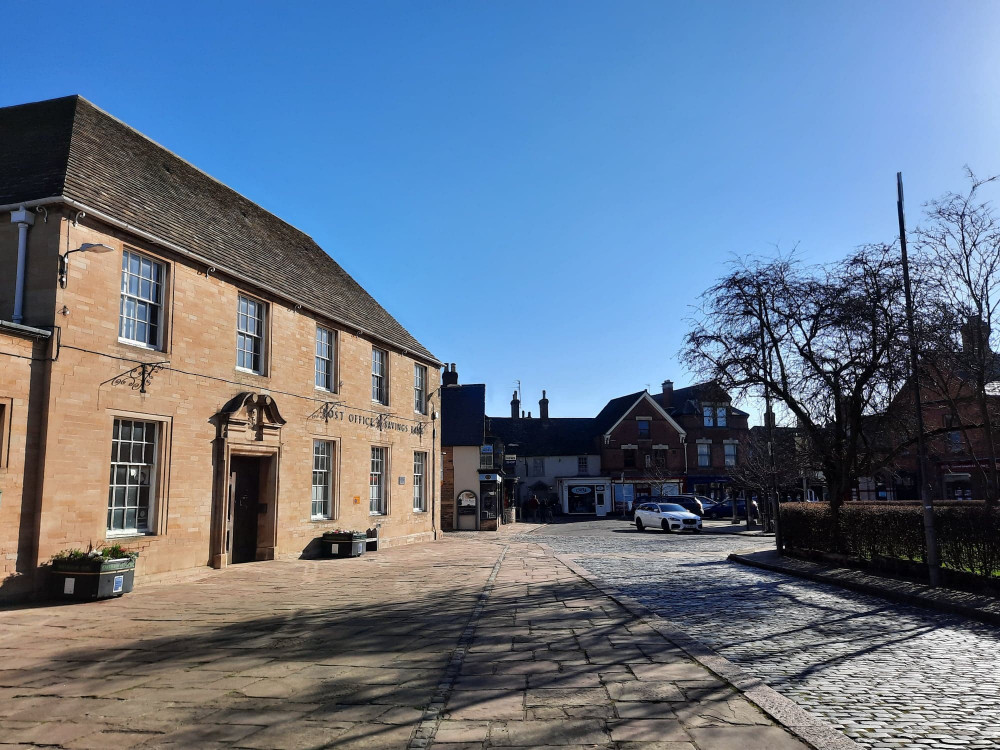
463	414
686	400
614	410
68	147
560	436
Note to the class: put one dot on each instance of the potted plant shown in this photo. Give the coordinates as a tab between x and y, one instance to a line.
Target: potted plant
344	543
94	574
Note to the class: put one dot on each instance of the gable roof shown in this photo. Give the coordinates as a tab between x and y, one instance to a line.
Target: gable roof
68	148
618	408
560	436
463	414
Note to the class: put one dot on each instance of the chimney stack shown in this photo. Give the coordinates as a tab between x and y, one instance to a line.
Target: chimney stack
668	392
529	415
515	405
522	413
543	407
769	418
449	377
975	336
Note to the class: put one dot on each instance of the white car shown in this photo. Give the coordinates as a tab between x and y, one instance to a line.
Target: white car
667	516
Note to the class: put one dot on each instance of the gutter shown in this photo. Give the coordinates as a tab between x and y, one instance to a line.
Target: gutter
23	330
211	264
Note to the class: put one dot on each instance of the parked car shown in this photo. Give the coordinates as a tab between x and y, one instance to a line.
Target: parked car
667	516
694	503
725	509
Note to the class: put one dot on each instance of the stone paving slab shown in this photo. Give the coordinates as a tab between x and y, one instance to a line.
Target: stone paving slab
463	643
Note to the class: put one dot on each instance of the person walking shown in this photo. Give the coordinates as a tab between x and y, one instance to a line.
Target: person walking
533	508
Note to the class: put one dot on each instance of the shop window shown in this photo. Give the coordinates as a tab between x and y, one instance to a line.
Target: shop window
322	480
376	482
141	306
704	454
131	493
380	376
250	318
326	348
419	483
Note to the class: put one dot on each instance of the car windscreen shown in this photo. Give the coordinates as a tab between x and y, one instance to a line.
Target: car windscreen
672	508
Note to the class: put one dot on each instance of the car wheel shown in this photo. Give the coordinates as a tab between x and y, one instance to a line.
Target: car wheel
665	526
638	524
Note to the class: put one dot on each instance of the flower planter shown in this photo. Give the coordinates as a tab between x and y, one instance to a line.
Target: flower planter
95	578
344	543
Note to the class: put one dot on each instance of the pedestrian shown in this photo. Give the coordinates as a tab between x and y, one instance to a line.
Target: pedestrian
533	508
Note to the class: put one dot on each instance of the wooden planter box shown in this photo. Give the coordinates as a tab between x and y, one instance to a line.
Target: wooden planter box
86	580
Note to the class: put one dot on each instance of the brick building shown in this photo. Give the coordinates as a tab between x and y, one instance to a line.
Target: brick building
183	372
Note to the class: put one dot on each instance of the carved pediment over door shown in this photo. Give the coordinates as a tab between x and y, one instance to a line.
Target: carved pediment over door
250	417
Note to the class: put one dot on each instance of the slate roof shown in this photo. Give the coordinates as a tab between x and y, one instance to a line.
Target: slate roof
614	410
69	148
463	414
560	436
686	400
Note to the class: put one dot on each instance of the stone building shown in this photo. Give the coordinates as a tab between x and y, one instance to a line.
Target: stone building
185	373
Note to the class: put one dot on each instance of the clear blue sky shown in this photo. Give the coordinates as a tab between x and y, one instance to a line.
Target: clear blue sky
540	190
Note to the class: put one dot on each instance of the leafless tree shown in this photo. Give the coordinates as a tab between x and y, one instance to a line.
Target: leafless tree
959	248
836	338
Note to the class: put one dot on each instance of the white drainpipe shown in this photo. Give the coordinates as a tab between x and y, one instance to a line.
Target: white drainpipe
24	219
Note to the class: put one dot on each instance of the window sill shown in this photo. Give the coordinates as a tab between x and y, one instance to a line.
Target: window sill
419	510
140	345
375	513
321	519
321	389
245	371
119	535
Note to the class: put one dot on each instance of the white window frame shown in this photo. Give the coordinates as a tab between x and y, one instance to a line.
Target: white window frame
649	428
721	416
704	455
377	485
329	358
419	388
582	465
138	299
260	336
731	454
128	470
380	376
419	482
708	416
326	477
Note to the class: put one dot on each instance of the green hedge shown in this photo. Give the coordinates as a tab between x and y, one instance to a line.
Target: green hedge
968	536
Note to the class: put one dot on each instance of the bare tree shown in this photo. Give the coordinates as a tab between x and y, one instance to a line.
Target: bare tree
959	249
837	341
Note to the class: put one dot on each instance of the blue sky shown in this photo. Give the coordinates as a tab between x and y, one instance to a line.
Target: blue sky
541	190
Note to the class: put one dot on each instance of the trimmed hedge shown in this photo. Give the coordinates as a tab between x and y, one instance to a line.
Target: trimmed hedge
968	535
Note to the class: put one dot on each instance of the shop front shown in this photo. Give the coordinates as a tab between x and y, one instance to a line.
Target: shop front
585	497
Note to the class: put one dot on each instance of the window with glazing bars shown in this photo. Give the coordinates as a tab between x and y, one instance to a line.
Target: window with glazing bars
325	348
376	482
704	454
730	454
380	390
322	482
420	389
419	486
720	416
141	301
250	335
133	464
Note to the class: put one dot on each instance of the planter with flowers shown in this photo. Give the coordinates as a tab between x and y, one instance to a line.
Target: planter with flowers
344	543
95	574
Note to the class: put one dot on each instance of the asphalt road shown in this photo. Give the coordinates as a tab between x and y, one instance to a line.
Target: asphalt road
886	674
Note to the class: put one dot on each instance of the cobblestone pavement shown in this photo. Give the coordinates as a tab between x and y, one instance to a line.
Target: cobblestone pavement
461	644
887	675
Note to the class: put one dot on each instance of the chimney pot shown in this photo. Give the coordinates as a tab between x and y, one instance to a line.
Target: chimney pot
515	404
543	407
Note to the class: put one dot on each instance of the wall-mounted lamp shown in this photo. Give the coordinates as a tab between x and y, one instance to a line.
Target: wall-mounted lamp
92	247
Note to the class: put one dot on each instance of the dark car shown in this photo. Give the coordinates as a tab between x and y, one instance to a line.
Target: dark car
691	503
725	509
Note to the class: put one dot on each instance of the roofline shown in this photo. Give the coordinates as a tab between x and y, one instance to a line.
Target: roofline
645	394
23	330
211	264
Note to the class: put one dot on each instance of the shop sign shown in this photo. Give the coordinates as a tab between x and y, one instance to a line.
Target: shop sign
581	490
382	422
489	478
486	449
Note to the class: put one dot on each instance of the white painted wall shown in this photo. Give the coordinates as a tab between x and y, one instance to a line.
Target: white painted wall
555	466
465	459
